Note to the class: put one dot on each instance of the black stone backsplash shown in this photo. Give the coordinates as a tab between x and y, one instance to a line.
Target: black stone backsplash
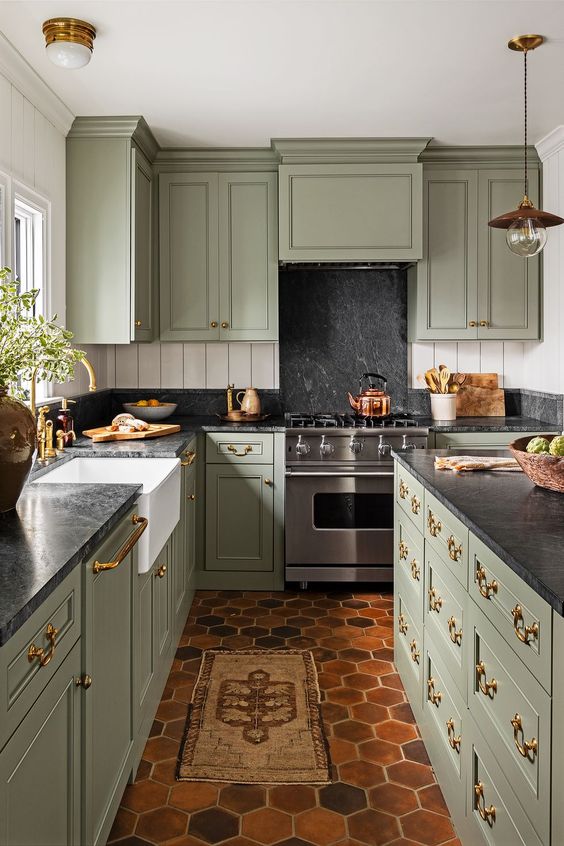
336	325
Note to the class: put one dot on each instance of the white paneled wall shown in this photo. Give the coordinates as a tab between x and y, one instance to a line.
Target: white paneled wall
502	357
176	365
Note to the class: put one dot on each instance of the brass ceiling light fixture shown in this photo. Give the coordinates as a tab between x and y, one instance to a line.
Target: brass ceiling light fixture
526	226
69	42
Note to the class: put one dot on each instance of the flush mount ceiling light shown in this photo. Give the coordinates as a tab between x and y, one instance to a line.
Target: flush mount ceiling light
526	226
68	42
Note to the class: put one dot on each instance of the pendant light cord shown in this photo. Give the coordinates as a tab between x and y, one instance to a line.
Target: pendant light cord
525	97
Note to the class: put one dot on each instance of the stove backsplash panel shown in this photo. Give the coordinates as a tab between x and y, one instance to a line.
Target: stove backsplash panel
336	325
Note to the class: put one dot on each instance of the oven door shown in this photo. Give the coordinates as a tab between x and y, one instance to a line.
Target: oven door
340	516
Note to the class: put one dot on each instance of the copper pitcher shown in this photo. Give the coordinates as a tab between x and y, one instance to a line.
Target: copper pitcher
372	402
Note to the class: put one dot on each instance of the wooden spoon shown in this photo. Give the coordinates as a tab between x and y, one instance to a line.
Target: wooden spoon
444	377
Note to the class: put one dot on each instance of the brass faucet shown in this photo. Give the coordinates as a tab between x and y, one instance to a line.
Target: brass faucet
91	386
42	431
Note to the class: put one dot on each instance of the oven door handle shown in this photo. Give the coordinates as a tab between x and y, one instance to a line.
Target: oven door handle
328	474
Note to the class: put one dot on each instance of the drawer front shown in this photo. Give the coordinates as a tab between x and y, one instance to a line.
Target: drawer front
514	714
494	810
448	536
408	650
444	711
238	448
50	633
445	615
410	496
408	560
518	613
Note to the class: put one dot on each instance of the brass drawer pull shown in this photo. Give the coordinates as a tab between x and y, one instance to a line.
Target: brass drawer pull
434	525
486	588
434	698
161	571
224	324
415	570
523	632
485	686
403	490
487	814
435	602
233	450
402	625
455	636
83	681
190	458
403	550
528	745
141	523
415	653
454	549
415	504
38	652
453	741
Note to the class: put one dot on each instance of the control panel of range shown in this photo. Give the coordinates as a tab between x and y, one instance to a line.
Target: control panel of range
354	445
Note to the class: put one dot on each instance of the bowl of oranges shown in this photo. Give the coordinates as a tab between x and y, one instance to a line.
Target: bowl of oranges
150	410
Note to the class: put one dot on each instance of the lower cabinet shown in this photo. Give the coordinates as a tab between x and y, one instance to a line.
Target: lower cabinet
184	544
477	441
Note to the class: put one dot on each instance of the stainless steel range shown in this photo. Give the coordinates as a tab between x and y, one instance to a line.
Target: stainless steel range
340	493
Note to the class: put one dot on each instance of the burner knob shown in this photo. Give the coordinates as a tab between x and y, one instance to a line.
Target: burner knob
355	446
302	448
325	448
384	448
405	444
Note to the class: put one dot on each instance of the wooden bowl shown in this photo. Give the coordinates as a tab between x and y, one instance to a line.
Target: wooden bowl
546	471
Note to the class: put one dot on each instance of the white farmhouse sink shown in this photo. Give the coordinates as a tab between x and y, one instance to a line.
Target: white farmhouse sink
159	500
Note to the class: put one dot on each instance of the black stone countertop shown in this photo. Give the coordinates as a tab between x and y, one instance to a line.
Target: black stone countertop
53	529
489	424
521	523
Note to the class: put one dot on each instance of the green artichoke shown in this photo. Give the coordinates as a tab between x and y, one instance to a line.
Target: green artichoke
557	445
539	445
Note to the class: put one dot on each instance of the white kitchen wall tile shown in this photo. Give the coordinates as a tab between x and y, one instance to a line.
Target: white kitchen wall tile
194	365
149	365
262	365
5	124
469	356
422	358
172	365
276	366
127	366
17	144
217	365
240	365
446	352
28	143
513	356
491	358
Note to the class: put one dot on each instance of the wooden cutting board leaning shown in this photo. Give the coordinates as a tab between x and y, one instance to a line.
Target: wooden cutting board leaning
480	396
155	430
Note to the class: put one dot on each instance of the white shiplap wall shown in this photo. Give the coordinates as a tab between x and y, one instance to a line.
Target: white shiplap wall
502	357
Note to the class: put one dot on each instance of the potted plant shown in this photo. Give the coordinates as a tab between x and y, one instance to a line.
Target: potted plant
30	345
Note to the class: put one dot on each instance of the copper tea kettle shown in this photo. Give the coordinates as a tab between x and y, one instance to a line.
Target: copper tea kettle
371	402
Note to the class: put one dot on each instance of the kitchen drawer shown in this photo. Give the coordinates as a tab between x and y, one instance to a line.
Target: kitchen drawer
508	825
24	679
445	615
448	536
238	448
513	714
512	606
408	561
410	496
408	649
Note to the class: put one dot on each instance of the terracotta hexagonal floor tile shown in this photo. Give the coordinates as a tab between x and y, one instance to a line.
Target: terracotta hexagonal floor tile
165	771
393	798
432	799
344	696
124	824
242	798
292	798
395	731
369	712
373	828
385	696
144	796
134	841
375	667
267	825
415	751
342	798
143	770
175	728
392	680
294	841
361	681
193	795
239	841
402	712
342	750
355	655
426	827
411	774
320	826
342	668
380	752
160	748
328	680
162	824
333	713
214	825
353	730
362	773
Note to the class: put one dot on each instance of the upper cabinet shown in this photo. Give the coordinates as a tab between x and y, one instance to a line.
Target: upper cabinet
218	256
109	231
469	285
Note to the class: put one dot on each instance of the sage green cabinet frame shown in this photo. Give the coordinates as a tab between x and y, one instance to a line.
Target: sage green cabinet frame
477	441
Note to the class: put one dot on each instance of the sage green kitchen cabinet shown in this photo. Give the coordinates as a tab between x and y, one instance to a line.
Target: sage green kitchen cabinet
164	576
477	441
218	256
109	232
40	767
184	543
468	284
350	212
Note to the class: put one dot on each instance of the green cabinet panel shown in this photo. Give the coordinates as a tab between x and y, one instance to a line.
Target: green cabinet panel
40	767
163	574
145	649
477	441
239	517
348	212
142	248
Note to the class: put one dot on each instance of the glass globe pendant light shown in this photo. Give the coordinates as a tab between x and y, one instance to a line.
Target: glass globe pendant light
526	226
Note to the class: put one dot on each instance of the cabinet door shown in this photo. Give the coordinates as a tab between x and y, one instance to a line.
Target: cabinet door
508	286
189	284
248	256
40	800
239	517
141	248
443	286
163	574
350	212
145	651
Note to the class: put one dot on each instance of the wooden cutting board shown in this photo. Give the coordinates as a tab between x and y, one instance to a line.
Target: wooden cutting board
156	430
472	401
482	380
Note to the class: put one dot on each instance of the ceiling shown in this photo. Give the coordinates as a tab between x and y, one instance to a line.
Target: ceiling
240	72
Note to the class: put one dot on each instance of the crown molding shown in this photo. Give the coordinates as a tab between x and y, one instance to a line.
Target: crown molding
22	76
494	154
120	126
188	159
348	150
551	143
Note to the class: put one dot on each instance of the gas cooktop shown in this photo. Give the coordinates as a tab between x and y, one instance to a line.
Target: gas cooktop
338	420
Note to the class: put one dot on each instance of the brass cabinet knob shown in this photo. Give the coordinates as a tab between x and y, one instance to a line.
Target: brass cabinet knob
435	602
434	698
484	323
403	490
402	625
415	570
415	504
268	482
161	571
435	526
454	549
472	324
415	653
83	681
213	324
455	636
224	324
486	588
190	457
528	746
137	324
191	497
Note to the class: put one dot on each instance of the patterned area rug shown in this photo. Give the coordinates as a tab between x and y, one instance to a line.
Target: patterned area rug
255	718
